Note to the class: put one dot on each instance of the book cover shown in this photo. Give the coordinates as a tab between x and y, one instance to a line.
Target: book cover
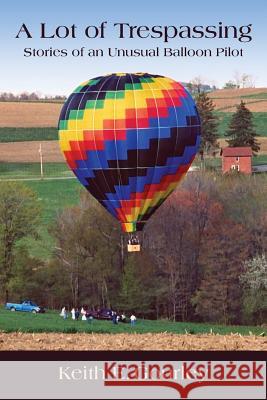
133	214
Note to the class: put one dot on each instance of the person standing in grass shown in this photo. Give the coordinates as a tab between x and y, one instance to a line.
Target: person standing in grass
114	318
83	311
123	317
133	319
63	313
77	314
73	314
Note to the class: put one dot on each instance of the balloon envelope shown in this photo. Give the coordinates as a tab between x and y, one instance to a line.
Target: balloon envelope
129	139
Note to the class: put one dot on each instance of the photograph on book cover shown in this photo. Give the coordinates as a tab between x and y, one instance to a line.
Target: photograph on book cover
133	175
133	187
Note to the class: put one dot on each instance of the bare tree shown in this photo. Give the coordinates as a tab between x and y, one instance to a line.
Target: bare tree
176	237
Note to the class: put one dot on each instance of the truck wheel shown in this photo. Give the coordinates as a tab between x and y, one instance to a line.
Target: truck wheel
12	309
33	311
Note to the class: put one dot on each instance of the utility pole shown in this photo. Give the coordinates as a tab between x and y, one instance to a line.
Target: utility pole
41	161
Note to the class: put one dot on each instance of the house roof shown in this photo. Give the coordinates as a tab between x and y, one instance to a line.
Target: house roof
237	152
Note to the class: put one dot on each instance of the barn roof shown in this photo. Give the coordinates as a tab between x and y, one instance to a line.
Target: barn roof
237	152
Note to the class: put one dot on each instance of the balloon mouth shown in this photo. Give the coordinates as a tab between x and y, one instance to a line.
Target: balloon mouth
132	226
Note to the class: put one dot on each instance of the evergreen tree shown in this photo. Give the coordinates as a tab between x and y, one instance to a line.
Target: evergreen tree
241	130
209	124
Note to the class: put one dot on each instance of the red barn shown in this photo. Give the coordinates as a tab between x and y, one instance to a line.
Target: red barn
237	159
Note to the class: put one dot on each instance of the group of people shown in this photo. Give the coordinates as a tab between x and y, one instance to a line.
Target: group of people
88	316
116	318
133	240
75	314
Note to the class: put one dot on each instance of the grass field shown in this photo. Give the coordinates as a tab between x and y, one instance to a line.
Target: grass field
260	159
260	122
32	170
60	170
53	195
52	322
262	95
10	134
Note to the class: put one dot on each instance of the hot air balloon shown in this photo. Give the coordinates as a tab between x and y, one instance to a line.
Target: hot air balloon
130	139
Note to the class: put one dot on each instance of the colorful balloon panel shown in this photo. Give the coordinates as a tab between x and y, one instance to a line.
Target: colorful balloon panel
129	139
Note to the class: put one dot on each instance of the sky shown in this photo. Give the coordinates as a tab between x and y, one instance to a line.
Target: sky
61	75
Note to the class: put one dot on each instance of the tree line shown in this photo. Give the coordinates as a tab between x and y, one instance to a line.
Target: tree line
33	96
203	254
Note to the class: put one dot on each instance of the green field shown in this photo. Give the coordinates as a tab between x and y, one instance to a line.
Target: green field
27	134
260	95
261	159
54	195
52	322
32	170
260	121
40	134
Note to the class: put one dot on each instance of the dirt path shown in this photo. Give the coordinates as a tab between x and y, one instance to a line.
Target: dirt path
161	341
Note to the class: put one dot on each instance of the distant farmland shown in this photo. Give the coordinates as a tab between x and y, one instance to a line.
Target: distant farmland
24	125
19	114
28	152
40	114
226	100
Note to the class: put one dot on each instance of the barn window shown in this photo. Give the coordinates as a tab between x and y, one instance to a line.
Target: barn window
237	159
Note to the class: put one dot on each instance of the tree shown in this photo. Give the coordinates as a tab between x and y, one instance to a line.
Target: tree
244	201
196	84
237	79
254	282
20	286
19	215
218	299
209	124
241	132
230	85
139	286
247	80
175	239
88	247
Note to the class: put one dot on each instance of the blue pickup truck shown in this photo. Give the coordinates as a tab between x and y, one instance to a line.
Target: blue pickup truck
26	305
